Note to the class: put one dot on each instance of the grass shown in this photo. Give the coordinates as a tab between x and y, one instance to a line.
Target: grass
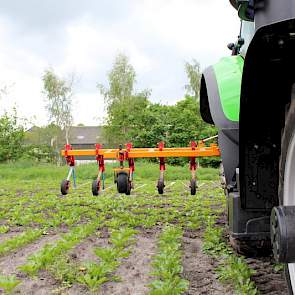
27	170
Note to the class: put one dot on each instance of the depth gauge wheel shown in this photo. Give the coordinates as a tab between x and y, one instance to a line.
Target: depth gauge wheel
122	183
95	187
286	180
193	187
65	186
160	186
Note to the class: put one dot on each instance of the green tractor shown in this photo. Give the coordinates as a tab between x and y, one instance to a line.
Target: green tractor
250	97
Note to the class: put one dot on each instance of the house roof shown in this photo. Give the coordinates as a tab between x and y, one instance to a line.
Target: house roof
85	134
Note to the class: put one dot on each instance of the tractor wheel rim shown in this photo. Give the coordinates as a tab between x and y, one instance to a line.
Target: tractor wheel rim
289	192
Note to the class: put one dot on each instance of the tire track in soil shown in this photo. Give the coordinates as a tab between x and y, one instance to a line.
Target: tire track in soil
199	269
266	279
135	270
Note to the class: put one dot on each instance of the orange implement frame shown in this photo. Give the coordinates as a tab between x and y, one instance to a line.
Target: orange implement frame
123	177
200	151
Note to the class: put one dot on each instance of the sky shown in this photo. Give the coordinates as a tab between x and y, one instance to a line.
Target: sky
84	37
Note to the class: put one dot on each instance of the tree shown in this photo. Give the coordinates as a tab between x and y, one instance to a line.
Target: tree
58	93
11	137
194	76
124	106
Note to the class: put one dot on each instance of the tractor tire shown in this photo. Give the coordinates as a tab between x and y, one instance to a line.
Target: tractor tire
287	177
122	183
160	186
95	187
193	187
64	187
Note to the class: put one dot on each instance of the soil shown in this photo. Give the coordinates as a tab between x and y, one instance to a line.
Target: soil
266	279
198	268
135	270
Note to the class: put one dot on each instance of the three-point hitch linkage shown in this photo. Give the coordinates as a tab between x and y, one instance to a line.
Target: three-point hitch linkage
123	176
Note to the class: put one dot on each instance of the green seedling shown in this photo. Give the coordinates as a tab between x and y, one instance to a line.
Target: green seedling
8	283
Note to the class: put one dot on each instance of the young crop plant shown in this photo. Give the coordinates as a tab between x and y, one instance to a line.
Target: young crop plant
232	269
167	265
49	253
109	259
4	229
8	283
19	241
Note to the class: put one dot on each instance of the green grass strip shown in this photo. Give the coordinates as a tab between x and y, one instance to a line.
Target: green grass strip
167	265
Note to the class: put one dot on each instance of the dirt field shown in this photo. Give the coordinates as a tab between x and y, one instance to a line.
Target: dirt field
114	244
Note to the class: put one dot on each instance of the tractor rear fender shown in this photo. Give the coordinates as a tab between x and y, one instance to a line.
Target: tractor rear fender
219	105
268	78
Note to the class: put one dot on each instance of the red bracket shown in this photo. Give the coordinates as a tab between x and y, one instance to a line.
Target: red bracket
193	164
161	146
130	160
69	159
99	158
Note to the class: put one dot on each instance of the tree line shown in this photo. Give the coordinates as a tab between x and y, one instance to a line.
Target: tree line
130	116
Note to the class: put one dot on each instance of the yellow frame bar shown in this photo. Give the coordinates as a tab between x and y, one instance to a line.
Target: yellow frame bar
200	151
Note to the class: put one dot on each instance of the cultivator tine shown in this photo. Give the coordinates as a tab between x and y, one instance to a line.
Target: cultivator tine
161	183
193	168
70	160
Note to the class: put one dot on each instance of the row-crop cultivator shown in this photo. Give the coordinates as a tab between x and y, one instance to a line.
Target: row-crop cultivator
123	176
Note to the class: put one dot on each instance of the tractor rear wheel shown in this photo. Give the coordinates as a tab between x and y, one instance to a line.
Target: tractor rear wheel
95	187
122	183
65	186
286	179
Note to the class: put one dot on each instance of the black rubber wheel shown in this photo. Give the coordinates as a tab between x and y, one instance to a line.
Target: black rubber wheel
122	183
286	180
160	186
64	187
95	187
193	186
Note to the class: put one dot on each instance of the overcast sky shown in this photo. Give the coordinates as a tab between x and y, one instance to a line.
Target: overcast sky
84	37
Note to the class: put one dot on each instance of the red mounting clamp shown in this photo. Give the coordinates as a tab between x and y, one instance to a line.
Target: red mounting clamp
161	146
69	159
130	160
193	164
99	158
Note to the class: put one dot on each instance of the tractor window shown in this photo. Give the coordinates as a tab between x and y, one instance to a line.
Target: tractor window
247	33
